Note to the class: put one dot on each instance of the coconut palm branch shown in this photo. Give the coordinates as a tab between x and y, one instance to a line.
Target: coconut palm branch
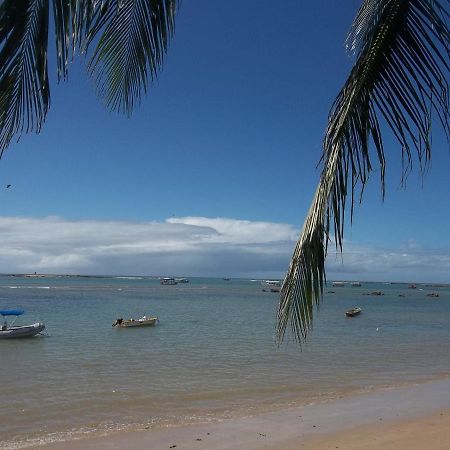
131	49
399	82
24	87
130	39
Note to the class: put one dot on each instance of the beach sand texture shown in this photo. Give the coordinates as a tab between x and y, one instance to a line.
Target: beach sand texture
412	417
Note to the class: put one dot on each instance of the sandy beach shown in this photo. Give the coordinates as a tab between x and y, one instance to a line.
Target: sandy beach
411	417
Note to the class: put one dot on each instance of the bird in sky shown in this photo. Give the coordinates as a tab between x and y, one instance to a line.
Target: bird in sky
8	186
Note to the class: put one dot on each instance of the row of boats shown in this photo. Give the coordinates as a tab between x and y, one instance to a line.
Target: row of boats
9	331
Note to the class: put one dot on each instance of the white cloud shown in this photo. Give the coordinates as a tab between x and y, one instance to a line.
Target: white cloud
191	246
195	246
408	262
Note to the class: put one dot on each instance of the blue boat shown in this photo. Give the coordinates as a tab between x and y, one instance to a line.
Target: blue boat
11	331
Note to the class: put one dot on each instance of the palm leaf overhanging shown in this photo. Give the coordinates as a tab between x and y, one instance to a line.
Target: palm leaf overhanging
400	76
131	39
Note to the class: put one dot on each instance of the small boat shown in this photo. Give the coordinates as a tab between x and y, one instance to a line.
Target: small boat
168	281
353	312
181	280
10	331
356	284
338	284
271	285
144	321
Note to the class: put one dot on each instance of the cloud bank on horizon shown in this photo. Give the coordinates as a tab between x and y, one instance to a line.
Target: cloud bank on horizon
195	246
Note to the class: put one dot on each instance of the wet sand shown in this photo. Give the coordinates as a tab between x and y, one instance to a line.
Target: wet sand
412	417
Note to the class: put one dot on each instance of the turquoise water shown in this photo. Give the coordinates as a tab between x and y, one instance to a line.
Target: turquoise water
213	354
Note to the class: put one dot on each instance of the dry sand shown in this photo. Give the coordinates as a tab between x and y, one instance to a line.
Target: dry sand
414	417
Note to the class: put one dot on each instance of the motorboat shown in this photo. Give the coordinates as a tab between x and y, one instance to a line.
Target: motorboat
11	331
338	284
271	285
168	281
356	284
143	321
182	280
353	312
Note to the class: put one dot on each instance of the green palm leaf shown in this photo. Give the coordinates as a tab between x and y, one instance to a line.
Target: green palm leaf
400	78
131	49
24	87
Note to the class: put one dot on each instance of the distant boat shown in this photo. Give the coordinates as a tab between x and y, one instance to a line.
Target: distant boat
226	279
338	284
168	281
271	285
353	312
144	321
181	280
9	332
412	286
356	284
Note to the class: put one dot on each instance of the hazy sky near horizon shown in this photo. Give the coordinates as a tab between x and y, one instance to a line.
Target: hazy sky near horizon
215	170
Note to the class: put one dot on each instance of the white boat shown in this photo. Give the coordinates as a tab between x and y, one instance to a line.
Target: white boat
10	331
168	281
143	321
271	285
181	280
356	284
353	312
338	284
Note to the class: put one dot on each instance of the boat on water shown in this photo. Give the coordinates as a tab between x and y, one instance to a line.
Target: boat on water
143	321
338	284
11	331
168	281
182	280
353	312
356	284
271	285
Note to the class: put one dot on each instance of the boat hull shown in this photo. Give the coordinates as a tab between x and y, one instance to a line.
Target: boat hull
22	332
353	312
138	323
271	286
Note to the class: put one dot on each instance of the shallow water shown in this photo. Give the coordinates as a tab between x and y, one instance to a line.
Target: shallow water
213	354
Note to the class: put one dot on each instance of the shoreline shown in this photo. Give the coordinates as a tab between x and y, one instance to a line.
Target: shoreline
316	426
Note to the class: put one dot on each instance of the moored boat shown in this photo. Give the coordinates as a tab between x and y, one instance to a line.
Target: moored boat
168	281
10	331
143	321
181	280
271	285
353	312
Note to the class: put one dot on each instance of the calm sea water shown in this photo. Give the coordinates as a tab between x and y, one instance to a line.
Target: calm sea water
212	356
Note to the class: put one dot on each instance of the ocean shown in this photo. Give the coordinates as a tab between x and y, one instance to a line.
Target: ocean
212	356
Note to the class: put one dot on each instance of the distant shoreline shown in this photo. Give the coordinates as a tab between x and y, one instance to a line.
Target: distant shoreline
329	282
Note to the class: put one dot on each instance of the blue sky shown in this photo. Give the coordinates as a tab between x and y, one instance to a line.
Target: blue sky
231	130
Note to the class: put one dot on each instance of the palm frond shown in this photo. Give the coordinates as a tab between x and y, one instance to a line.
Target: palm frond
131	49
400	76
24	87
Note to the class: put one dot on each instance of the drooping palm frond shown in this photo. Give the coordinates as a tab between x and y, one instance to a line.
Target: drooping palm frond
73	21
131	49
24	87
130	52
400	76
